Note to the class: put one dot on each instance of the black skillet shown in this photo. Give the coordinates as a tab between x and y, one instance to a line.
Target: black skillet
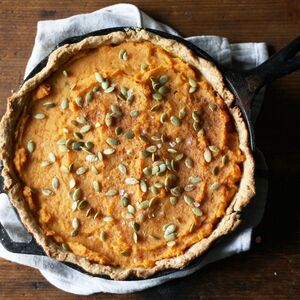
244	86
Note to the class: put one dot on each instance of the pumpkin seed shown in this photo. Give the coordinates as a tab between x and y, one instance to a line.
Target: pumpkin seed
189	187
94	170
196	126
125	253
134	113
88	212
129	134
143	186
131	209
105	84
77	146
151	149
215	186
109	151
135	237
212	106
30	146
79	101
100	156
72	183
74	232
118	130
75	223
131	181
45	163
147	170
175	121
179	139
89	97
127	215
108	120
172	151
61	142
192	82
39	116
173	200
157	96
188	200
49	104
192	89
215	171
176	191
189	163
108	219
144	204
65	73
52	157
46	192
99	77
85	129
170	236
144	66
163	79
163	117
214	148
55	183
96	186
65	247
194	179
182	113
171	243
136	226
192	227
196	116
112	141
197	211
170	229
164	90
80	170
96	89
111	192
78	135
122	168
207	156
125	201
63	148
76	194
123	54
224	159
103	236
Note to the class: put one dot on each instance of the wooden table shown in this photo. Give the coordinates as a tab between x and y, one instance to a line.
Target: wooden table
272	268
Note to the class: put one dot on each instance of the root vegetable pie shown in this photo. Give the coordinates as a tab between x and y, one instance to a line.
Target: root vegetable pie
125	155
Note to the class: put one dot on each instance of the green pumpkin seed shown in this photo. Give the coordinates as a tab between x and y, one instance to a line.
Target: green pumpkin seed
196	126
64	169
55	183
189	163
215	186
52	157
125	253
179	139
176	191
207	156
147	171
163	79
105	84
65	247
188	200
170	229
175	121
172	151
77	146
173	200
123	54
79	101
111	192
196	116
80	170
214	149
76	194
110	89
108	120
118	130
155	107
131	209
192	82
49	104
72	183
96	89
171	243
30	146
46	192
212	106
39	116
163	117
170	236
124	91
112	141
136	226
122	168
63	148
134	113
143	205
215	171
96	186
75	223
197	211
131	181
143	138
85	129
195	179
109	151
129	134
74	232
89	97
99	77
64	104
182	113
144	66
45	163
224	160
125	201
189	187
152	149
157	96
192	89
164	90
82	204
127	215
192	227
103	236
143	186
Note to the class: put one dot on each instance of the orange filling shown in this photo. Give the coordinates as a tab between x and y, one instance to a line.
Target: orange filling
130	165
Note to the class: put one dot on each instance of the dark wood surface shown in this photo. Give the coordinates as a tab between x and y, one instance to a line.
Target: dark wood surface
271	270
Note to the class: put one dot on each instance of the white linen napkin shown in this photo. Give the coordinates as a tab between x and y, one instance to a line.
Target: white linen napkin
241	56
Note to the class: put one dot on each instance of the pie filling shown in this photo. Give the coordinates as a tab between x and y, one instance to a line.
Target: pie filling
127	155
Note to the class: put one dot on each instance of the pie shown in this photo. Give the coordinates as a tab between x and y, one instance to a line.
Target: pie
125	155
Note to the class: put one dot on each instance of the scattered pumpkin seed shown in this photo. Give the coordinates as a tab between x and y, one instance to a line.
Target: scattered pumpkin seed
49	104
64	169
192	89
212	106
189	187
196	116
76	194
125	201
214	148
112	141
89	97
188	200
100	156
157	96
131	209
214	186
171	243
163	117
155	107
147	170
182	113
224	159
164	90
30	146
123	54
143	186
170	236
189	163
192	82
152	149
129	134
65	247
111	192
65	73
79	101
39	116
85	129
131	181
197	126
134	113
136	226
63	148
52	157
122	168
163	79
108	219
45	163
144	204
74	232
46	192
72	183
103	236
144	66
194	179
118	130
109	151
176	191
94	170
175	121
75	223
108	120
215	171
173	200
197	211
105	84
207	156
96	186
55	183
125	253
80	170
127	215
99	77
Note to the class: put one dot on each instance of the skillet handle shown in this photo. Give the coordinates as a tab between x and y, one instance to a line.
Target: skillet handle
283	62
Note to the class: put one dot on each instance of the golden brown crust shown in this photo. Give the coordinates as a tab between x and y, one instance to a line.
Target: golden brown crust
17	102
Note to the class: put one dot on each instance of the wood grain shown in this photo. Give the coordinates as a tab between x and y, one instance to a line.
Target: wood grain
271	270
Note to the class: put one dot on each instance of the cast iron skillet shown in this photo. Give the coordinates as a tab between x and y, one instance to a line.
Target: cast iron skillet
244	85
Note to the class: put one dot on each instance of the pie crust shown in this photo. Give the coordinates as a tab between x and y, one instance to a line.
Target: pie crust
14	188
